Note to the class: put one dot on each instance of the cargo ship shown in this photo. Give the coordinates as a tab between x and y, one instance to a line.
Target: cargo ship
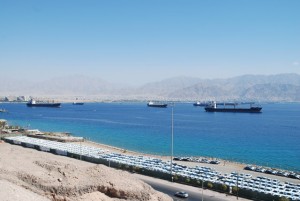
233	107
33	103
152	104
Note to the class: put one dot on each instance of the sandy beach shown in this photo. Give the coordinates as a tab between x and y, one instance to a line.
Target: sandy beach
224	166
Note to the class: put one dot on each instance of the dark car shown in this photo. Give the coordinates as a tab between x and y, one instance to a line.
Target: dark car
181	194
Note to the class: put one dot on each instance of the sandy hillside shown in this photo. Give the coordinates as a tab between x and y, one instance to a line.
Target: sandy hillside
27	174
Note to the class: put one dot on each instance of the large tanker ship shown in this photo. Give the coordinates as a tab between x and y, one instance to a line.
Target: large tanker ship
33	103
152	104
232	107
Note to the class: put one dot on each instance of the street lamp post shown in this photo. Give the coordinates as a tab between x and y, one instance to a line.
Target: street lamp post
172	132
80	150
237	185
202	189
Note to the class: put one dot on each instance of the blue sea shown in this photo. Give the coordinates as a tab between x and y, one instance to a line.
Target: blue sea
271	138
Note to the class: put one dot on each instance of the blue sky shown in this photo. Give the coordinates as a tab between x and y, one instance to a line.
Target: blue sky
139	41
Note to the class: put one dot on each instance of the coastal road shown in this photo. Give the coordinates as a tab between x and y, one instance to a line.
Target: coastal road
195	194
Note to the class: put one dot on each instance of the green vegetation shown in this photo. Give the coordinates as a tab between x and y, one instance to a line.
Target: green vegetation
135	169
175	177
223	187
209	185
283	199
234	190
187	180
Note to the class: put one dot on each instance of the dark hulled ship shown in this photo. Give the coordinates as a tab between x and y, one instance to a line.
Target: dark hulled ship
232	107
78	103
152	104
33	103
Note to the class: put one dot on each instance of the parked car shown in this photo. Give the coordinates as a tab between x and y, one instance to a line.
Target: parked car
181	194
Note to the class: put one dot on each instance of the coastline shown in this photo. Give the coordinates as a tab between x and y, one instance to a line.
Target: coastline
226	147
222	169
225	166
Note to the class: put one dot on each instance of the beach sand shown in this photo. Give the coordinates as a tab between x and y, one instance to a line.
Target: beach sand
224	166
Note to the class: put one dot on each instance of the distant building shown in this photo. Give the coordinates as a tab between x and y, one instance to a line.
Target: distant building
22	98
3	123
10	99
14	99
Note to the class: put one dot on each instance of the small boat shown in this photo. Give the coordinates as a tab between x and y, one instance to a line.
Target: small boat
233	108
78	103
33	103
3	110
152	104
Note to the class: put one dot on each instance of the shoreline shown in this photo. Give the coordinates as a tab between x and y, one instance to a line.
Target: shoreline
227	174
225	166
234	152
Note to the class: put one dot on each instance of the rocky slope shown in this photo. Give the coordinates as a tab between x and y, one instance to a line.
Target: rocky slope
60	178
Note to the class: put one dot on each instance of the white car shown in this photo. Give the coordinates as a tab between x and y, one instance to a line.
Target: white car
181	194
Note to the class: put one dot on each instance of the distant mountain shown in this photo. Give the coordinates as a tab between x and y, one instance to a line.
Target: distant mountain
272	92
74	85
281	87
159	90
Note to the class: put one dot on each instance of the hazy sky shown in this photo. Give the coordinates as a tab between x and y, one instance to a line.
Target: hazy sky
140	41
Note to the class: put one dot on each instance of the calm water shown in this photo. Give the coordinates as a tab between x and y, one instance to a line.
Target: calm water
271	138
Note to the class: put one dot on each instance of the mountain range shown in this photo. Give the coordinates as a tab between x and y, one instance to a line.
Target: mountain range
280	87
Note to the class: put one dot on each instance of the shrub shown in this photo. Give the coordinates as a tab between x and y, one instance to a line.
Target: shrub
187	180
283	199
234	189
175	177
209	185
223	187
135	169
